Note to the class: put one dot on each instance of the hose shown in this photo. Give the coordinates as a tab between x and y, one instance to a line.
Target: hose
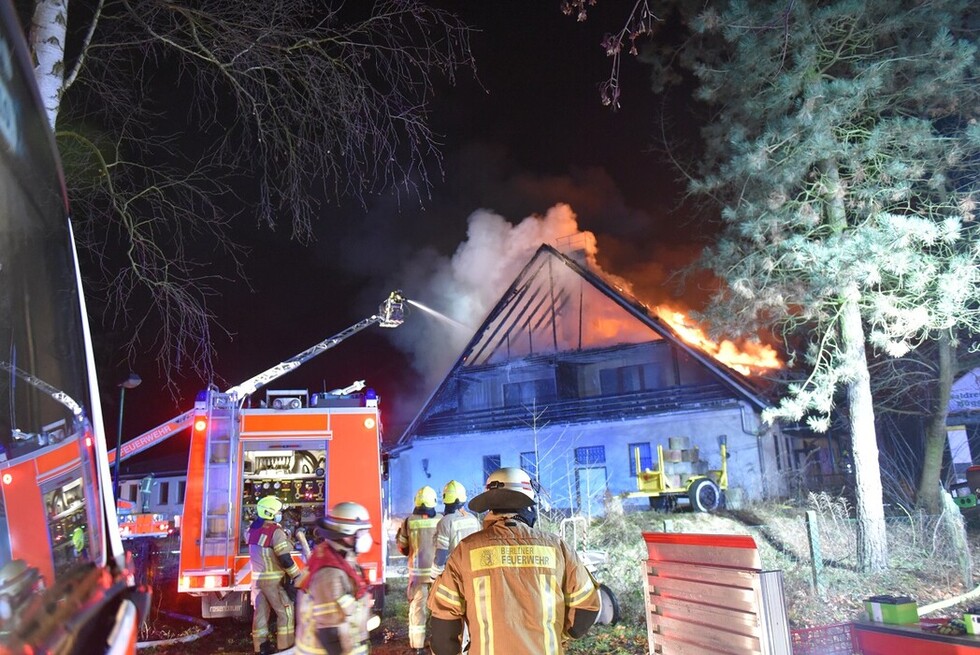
207	628
949	602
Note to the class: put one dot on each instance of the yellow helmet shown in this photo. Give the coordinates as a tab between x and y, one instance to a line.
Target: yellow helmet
453	492
268	507
425	497
507	488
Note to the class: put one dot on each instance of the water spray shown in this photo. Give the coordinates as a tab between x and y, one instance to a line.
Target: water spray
439	315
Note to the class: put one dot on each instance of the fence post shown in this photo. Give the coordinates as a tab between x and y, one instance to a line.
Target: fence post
816	557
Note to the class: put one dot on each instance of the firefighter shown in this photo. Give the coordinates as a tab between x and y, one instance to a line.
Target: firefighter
455	524
334	605
415	541
79	541
273	575
520	591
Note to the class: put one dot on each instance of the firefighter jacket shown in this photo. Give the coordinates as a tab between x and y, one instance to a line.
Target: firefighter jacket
452	529
516	588
334	604
268	550
415	540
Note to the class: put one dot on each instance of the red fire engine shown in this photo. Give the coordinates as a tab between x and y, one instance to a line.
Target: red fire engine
65	585
310	451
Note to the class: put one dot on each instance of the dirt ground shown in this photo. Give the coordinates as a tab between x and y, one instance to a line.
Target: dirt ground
157	567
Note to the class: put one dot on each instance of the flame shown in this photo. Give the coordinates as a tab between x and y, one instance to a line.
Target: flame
748	358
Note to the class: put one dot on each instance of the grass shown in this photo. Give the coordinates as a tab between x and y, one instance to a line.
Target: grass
922	564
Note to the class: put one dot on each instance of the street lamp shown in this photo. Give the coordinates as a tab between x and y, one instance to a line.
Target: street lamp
131	382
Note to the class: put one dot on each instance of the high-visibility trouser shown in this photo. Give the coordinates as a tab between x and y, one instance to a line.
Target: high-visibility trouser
418	611
271	597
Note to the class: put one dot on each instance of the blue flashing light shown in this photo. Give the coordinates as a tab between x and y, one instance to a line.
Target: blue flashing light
370	394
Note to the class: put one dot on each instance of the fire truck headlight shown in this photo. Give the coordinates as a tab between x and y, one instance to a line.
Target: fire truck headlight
200	424
369	423
7	478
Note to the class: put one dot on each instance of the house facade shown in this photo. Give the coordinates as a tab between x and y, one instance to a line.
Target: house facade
577	383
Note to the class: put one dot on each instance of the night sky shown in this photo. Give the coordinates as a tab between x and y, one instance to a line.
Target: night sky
530	133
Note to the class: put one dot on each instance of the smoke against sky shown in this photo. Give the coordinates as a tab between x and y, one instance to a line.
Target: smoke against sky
528	138
466	285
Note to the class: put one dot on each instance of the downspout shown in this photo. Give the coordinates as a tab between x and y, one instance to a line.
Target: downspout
758	447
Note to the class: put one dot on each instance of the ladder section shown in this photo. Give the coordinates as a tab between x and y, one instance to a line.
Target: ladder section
219	477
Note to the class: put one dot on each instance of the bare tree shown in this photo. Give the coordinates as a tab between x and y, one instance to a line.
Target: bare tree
176	117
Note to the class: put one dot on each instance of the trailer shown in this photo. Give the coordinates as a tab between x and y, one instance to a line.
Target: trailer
683	479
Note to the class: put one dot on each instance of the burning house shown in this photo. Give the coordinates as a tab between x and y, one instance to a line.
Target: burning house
575	381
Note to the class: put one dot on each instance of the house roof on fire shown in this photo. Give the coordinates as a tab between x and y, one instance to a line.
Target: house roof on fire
557	306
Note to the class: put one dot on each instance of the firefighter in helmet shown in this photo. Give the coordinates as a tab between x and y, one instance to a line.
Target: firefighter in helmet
509	569
415	541
455	524
273	575
333	614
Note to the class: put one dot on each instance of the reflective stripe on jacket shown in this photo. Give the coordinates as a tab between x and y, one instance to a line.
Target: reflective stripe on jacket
416	534
266	541
515	587
455	527
329	602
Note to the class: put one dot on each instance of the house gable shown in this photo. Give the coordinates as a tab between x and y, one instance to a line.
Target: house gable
562	343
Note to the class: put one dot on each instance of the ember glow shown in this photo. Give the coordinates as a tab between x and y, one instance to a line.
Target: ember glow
748	358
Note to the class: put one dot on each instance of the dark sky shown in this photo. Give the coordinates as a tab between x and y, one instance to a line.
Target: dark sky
530	133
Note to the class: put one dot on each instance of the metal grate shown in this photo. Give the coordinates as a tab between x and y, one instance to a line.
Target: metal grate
834	639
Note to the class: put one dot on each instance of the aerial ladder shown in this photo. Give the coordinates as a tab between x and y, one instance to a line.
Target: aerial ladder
391	314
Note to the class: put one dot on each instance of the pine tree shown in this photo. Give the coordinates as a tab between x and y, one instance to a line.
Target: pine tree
844	151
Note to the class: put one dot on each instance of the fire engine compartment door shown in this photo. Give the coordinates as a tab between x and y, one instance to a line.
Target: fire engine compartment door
295	471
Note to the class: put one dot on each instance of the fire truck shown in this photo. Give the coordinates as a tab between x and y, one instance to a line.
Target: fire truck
66	585
309	450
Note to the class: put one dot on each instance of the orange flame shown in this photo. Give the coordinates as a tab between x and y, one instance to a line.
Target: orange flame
748	358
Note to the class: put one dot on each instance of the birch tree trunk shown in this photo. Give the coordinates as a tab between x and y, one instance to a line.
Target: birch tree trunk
49	26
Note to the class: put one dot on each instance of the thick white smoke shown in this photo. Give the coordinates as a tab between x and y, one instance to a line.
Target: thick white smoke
465	286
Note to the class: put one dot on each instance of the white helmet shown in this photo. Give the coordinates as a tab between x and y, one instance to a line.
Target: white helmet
345	519
508	488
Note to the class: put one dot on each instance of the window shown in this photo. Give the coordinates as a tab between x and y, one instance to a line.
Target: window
640	452
164	497
590	455
530	392
181	489
627	379
529	462
490	464
131	490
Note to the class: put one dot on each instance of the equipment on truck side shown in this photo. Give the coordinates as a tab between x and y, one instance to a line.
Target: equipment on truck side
682	477
66	585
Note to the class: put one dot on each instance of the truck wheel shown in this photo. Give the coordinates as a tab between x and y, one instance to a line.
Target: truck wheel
609	609
704	495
